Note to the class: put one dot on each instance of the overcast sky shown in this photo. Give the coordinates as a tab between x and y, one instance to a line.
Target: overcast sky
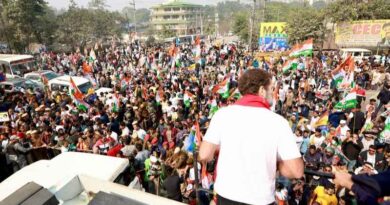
119	4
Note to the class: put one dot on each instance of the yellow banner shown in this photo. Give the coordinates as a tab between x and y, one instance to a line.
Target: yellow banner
363	33
273	30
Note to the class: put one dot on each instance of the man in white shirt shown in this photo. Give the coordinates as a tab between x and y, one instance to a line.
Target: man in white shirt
254	144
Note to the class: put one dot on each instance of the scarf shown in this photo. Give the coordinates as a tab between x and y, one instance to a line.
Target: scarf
253	101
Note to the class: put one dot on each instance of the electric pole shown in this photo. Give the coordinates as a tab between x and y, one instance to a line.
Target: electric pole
251	22
134	19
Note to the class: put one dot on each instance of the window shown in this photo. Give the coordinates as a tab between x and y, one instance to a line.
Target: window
85	87
366	54
51	75
357	54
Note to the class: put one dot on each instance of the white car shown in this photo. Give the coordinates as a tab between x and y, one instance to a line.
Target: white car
37	76
61	84
20	85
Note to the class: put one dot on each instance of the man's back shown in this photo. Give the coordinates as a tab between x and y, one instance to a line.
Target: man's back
252	139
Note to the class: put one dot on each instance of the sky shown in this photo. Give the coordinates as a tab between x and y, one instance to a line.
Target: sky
120	4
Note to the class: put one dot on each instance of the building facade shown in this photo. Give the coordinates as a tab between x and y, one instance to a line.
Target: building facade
176	15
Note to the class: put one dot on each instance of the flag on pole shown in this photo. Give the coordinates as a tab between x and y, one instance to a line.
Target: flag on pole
188	98
213	108
235	94
222	88
77	96
304	49
92	56
289	65
338	78
197	48
115	106
349	101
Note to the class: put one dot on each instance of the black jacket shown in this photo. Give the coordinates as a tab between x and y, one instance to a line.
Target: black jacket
384	96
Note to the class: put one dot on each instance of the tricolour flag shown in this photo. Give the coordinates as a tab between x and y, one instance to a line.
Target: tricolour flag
92	56
213	108
222	88
338	78
77	96
188	98
235	94
349	101
115	105
289	65
304	49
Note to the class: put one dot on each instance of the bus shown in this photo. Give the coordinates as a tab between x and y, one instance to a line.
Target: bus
16	65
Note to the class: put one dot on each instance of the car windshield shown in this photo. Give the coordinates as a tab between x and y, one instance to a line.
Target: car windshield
51	75
85	87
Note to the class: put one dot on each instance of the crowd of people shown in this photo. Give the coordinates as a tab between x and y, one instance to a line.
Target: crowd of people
164	97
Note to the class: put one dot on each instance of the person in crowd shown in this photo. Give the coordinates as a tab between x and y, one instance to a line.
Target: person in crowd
164	102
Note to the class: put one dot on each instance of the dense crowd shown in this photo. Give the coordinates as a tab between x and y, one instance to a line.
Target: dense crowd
164	97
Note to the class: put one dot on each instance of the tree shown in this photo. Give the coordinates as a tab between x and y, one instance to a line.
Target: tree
306	23
241	25
25	22
97	4
167	33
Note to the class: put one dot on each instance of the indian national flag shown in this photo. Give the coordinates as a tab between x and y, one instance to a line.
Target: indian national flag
349	101
222	88
92	55
213	108
304	49
338	78
347	82
115	105
235	94
289	65
77	96
188	98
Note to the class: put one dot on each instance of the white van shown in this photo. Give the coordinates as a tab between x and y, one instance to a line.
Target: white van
16	65
357	53
61	84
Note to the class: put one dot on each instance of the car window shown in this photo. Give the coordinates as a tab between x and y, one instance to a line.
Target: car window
85	87
357	54
51	75
367	54
34	77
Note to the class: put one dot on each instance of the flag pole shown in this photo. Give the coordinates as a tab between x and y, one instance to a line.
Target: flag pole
196	174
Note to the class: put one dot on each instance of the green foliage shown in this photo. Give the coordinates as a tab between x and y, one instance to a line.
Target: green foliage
24	22
350	10
167	33
241	25
227	12
306	23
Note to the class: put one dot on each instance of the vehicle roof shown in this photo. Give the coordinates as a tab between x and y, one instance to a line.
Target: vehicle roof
48	173
355	49
65	80
14	57
13	80
39	72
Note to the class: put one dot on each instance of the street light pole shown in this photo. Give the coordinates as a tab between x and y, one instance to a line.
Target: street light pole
251	22
134	19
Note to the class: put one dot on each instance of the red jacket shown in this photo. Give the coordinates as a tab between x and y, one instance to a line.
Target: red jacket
114	151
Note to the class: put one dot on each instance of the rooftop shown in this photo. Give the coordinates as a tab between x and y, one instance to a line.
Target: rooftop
176	3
